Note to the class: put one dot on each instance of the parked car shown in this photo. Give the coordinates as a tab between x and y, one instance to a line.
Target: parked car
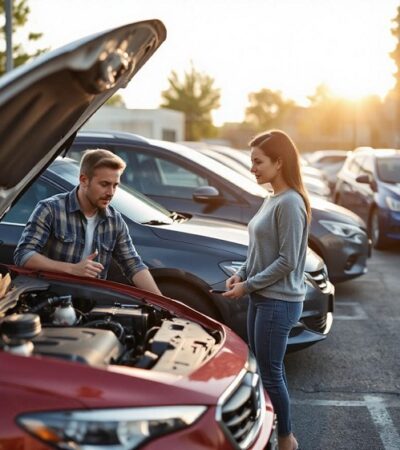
328	161
87	363
313	185
188	256
182	179
239	160
369	185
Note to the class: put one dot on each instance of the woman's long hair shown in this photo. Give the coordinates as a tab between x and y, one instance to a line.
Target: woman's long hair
277	145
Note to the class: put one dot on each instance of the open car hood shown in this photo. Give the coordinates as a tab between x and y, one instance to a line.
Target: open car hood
44	103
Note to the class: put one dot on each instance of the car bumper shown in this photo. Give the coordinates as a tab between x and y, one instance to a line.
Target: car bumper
315	322
390	221
316	319
344	258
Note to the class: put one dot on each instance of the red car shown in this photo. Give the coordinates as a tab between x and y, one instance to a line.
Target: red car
87	363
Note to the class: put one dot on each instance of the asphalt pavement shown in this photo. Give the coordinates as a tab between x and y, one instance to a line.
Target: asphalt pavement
346	390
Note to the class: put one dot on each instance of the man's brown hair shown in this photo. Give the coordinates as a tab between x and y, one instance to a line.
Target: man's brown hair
97	158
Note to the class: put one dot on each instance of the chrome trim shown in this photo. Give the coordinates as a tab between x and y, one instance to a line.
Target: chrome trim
253	380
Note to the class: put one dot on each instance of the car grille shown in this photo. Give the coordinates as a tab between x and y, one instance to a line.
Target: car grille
316	323
241	411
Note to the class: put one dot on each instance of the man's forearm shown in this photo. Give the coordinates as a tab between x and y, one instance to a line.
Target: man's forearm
41	262
144	280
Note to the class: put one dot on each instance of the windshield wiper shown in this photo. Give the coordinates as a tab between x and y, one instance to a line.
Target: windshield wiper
155	222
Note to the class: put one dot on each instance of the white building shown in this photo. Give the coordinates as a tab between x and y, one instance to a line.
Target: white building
164	124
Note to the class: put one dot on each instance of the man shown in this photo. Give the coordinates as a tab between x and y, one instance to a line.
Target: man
79	232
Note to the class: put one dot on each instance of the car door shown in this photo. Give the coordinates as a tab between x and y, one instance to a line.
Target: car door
14	221
172	181
348	196
363	193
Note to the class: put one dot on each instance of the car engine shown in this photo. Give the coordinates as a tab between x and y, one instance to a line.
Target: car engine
94	326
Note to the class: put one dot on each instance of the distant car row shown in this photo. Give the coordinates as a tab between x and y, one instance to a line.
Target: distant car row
187	181
367	182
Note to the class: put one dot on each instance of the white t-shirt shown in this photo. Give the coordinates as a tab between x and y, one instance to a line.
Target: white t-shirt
90	227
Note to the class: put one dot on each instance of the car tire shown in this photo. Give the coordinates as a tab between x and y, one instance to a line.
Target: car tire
379	242
188	295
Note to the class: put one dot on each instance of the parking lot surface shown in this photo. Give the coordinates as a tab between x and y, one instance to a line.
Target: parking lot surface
346	390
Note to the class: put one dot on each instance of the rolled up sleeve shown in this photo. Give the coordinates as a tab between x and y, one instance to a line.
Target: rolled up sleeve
125	253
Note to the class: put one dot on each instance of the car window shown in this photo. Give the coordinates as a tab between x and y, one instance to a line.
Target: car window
158	176
21	211
126	200
389	170
332	159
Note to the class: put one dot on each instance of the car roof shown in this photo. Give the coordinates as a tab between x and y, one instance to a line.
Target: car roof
378	152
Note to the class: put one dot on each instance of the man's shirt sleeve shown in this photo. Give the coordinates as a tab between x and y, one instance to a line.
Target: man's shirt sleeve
125	252
35	235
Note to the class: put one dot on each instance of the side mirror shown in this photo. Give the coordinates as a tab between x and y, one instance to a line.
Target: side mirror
206	194
367	179
364	179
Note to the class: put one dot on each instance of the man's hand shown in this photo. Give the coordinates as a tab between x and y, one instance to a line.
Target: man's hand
236	290
87	267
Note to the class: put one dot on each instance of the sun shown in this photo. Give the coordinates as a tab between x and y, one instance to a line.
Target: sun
360	84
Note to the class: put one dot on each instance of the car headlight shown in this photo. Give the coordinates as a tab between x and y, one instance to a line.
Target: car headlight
231	267
119	429
393	204
350	232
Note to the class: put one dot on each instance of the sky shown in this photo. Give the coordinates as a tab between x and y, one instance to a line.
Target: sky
245	45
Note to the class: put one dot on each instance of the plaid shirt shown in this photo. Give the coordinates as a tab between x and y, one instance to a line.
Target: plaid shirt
56	229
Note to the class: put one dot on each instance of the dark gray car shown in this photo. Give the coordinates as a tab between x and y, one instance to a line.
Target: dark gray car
182	179
187	256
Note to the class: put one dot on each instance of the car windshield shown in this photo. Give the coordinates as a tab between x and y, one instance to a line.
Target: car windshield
127	201
389	169
218	168
228	161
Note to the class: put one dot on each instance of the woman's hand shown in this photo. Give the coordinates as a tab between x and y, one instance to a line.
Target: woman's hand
231	281
237	290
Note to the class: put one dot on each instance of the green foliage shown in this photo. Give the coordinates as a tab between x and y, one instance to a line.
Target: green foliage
20	14
197	97
267	109
117	101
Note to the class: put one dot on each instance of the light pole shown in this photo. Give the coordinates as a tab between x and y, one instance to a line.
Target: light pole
9	29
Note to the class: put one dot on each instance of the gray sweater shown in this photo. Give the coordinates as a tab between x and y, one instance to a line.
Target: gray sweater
277	250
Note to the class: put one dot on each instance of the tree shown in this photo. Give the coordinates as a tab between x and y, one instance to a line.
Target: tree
267	109
395	54
117	101
395	93
20	18
197	97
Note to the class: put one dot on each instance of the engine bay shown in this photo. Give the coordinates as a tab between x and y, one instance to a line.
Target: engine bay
99	327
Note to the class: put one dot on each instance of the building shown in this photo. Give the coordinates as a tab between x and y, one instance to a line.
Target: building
164	124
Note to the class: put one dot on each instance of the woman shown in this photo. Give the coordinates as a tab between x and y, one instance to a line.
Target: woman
273	273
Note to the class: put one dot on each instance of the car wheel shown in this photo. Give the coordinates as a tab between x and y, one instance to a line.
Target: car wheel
188	295
378	240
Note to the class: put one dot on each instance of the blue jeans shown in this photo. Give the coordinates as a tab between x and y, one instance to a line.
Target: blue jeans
269	322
